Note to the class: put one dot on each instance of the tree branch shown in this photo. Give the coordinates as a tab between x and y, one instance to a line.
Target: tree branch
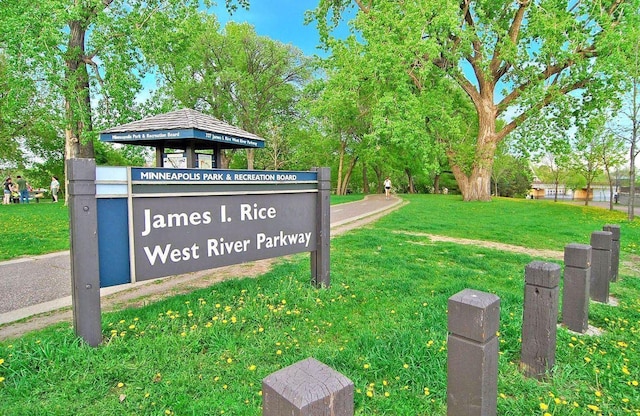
365	8
543	103
497	71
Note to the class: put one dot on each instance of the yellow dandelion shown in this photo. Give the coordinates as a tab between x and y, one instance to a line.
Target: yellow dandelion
366	366
544	406
1	379
406	366
1	361
120	385
252	367
369	393
593	407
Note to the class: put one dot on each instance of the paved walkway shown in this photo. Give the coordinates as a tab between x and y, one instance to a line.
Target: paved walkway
40	284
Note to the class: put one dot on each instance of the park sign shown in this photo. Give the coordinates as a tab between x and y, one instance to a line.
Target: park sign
157	222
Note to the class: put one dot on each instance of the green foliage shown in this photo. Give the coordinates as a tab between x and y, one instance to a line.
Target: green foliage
512	60
246	80
382	323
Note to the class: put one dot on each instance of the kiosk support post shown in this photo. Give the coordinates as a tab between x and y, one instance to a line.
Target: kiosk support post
320	259
85	273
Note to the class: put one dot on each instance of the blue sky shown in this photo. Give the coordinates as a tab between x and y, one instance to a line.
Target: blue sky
282	20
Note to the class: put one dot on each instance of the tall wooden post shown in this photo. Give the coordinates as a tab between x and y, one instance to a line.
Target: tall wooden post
540	318
472	358
575	295
320	259
600	265
85	273
614	229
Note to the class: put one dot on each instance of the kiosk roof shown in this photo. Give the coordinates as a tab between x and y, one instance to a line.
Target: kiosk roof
177	128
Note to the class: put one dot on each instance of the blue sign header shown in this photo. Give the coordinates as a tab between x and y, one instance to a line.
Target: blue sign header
158	175
183	134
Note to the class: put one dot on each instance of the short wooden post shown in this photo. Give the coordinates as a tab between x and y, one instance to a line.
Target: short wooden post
472	360
600	265
614	229
540	318
575	295
307	388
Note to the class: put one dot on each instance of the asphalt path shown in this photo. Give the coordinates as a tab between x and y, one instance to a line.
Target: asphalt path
39	284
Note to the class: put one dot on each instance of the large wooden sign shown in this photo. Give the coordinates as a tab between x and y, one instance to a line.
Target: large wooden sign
157	222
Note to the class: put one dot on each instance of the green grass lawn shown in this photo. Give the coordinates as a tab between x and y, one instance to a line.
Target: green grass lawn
382	323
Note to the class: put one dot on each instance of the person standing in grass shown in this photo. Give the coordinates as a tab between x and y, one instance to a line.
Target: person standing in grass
55	187
387	188
23	189
7	187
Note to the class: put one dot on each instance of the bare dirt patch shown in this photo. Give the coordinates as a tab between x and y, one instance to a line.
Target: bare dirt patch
549	254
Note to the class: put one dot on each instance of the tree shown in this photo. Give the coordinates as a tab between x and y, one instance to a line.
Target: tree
233	74
588	156
612	159
88	52
511	58
630	110
557	160
25	114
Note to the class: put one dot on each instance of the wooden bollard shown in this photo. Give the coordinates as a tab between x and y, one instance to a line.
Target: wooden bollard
614	229
540	319
575	295
307	388
472	359
600	265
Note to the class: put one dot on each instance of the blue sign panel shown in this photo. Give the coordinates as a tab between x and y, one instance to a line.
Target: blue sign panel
155	222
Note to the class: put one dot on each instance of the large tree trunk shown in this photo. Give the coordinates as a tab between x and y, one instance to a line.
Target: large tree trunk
379	180
476	186
365	181
347	177
412	189
632	173
251	157
340	165
77	100
436	184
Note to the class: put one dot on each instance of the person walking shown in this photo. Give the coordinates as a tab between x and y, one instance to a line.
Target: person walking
387	188
23	189
55	187
7	187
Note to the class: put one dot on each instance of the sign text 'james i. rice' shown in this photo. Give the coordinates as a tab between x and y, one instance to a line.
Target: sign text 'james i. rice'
200	232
